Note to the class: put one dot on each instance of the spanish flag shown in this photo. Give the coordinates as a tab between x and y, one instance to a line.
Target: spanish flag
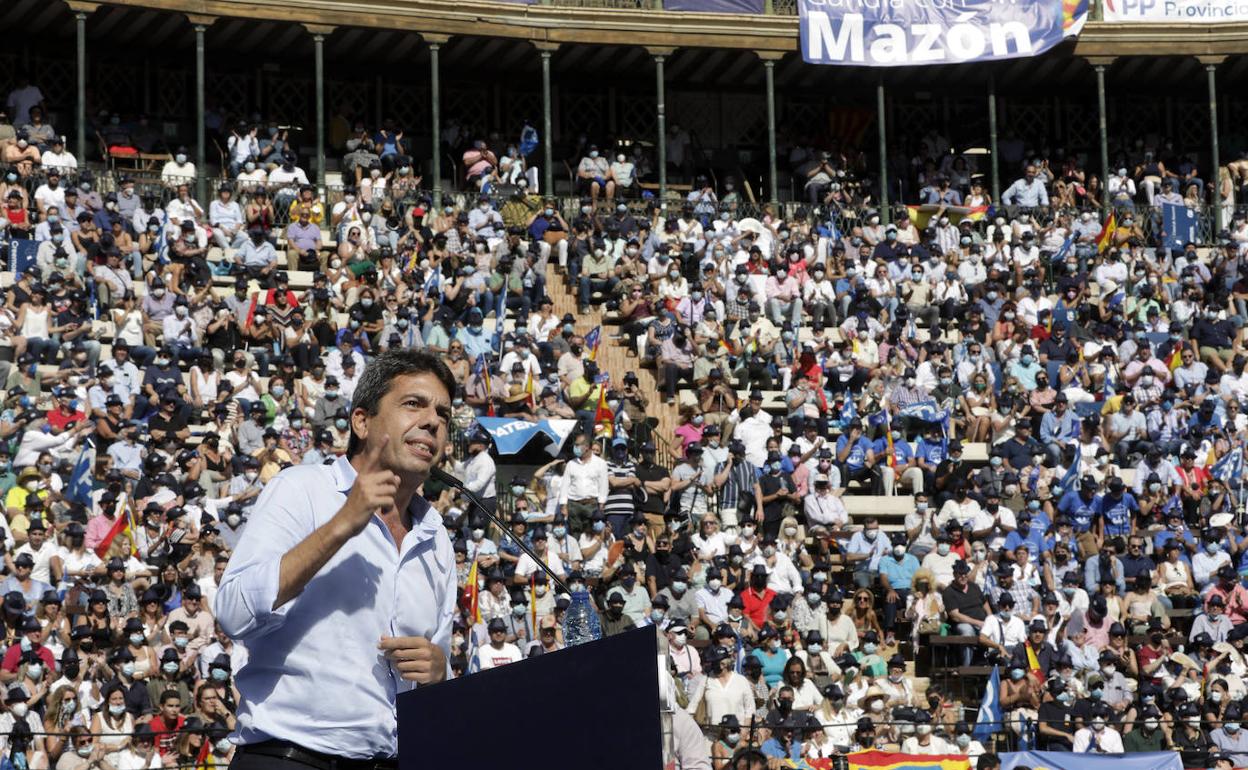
1106	238
528	388
604	418
123	525
883	760
1033	663
472	594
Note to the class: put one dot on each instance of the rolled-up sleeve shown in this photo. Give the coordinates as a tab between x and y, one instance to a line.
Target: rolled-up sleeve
280	520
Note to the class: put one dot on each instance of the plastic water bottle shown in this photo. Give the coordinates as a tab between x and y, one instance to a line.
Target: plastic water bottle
580	622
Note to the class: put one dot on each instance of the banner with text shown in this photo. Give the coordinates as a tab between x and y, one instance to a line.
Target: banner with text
1166	11
901	33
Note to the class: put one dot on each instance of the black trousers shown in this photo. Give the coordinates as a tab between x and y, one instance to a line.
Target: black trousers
248	760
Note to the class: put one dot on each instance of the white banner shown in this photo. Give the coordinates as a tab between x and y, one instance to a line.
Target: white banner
1169	11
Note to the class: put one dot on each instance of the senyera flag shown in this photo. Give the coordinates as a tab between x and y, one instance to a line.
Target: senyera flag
885	760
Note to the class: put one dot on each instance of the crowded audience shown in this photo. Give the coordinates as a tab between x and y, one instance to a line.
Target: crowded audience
847	463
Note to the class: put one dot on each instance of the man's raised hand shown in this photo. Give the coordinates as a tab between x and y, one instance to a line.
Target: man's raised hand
374	489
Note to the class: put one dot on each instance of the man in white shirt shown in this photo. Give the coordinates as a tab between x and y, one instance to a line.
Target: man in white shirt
527	566
58	158
46	554
824	508
583	490
1002	630
1098	737
499	652
178	171
479	470
50	193
141	754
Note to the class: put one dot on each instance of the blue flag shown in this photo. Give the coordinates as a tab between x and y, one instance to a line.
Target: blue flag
473	653
1071	479
989	720
1064	250
927	411
1065	760
79	490
1229	466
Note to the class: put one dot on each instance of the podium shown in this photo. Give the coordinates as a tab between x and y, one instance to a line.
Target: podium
594	705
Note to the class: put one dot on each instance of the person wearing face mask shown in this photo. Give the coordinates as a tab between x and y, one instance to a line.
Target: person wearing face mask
1097	737
924	741
584	486
499	651
1147	735
1230	737
613	618
20	714
478	471
771	656
1055	725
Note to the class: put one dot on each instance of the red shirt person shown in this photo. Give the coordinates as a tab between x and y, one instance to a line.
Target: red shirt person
757	598
169	721
29	651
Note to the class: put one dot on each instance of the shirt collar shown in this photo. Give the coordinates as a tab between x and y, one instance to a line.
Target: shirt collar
425	520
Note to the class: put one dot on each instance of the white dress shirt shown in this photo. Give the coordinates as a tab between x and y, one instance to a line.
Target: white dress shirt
479	474
319	650
1108	741
583	479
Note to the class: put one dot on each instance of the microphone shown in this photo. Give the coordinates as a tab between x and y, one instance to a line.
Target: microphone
455	483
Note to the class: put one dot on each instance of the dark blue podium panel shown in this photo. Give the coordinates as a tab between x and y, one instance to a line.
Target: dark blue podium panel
595	705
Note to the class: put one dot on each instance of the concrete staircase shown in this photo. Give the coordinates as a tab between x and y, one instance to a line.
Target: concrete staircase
613	356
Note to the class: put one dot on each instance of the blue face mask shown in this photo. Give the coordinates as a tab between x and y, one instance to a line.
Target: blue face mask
220	675
578	450
869	648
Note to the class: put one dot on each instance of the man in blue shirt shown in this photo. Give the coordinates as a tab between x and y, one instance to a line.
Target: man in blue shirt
1027	192
928	454
854	451
1025	534
904	462
1058	428
782	744
1081	505
1175	530
473	336
896	571
1116	511
865	550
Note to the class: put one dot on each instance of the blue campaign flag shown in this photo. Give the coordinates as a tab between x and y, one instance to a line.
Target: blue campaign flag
871	34
511	435
1064	250
79	490
989	721
1179	225
1064	760
927	411
1229	466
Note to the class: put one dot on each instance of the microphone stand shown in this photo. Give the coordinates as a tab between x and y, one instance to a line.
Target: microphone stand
475	501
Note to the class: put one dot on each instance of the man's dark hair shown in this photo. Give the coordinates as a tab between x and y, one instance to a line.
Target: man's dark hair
992	761
375	381
169	695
